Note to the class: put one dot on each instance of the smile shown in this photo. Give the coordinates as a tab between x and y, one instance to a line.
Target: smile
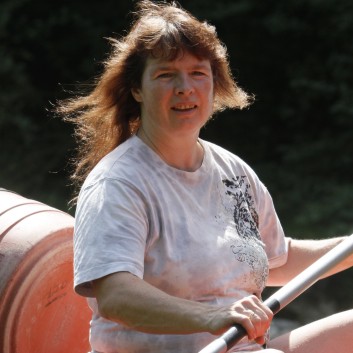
183	107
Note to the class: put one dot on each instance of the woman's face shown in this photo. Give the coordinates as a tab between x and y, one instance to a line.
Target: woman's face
176	97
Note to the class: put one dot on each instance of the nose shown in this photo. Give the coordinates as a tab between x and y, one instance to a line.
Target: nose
183	85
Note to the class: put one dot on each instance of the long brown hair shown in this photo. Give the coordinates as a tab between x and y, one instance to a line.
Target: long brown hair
109	115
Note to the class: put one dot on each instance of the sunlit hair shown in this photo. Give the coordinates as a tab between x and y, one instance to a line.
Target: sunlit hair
109	115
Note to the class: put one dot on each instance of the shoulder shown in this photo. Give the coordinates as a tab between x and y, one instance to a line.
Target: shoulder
227	159
234	169
124	163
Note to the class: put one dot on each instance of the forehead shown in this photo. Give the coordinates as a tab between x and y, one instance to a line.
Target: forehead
184	59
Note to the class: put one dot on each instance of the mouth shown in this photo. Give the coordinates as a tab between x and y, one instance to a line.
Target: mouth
184	107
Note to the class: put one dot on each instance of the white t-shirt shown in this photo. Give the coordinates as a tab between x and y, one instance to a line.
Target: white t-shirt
209	235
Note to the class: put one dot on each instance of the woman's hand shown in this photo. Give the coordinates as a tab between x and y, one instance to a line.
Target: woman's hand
249	312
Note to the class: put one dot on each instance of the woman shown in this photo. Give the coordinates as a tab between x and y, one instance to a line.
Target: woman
176	238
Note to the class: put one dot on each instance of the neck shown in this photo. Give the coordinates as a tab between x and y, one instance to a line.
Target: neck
180	154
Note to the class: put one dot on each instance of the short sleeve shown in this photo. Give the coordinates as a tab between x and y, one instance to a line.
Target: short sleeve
110	232
271	231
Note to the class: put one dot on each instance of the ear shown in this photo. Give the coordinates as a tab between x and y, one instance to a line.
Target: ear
136	94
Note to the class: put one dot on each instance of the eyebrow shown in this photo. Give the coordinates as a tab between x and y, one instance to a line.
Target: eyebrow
165	67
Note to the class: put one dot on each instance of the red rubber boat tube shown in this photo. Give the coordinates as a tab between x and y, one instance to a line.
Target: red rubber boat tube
287	293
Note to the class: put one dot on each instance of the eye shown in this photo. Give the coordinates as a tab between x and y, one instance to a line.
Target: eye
164	75
198	73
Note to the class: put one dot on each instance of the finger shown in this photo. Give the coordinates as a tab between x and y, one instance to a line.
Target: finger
253	315
260	340
260	314
260	322
260	308
247	322
253	325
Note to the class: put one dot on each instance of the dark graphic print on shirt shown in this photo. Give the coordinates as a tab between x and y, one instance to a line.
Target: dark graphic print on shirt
246	221
245	217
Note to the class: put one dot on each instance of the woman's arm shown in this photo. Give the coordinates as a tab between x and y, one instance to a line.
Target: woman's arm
301	254
125	298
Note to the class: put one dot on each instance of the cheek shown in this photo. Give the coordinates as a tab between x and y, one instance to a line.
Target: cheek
209	93
207	86
155	91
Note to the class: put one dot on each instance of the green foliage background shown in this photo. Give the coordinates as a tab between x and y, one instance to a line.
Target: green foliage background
296	57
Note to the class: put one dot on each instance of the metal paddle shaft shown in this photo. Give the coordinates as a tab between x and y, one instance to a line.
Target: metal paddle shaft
287	293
